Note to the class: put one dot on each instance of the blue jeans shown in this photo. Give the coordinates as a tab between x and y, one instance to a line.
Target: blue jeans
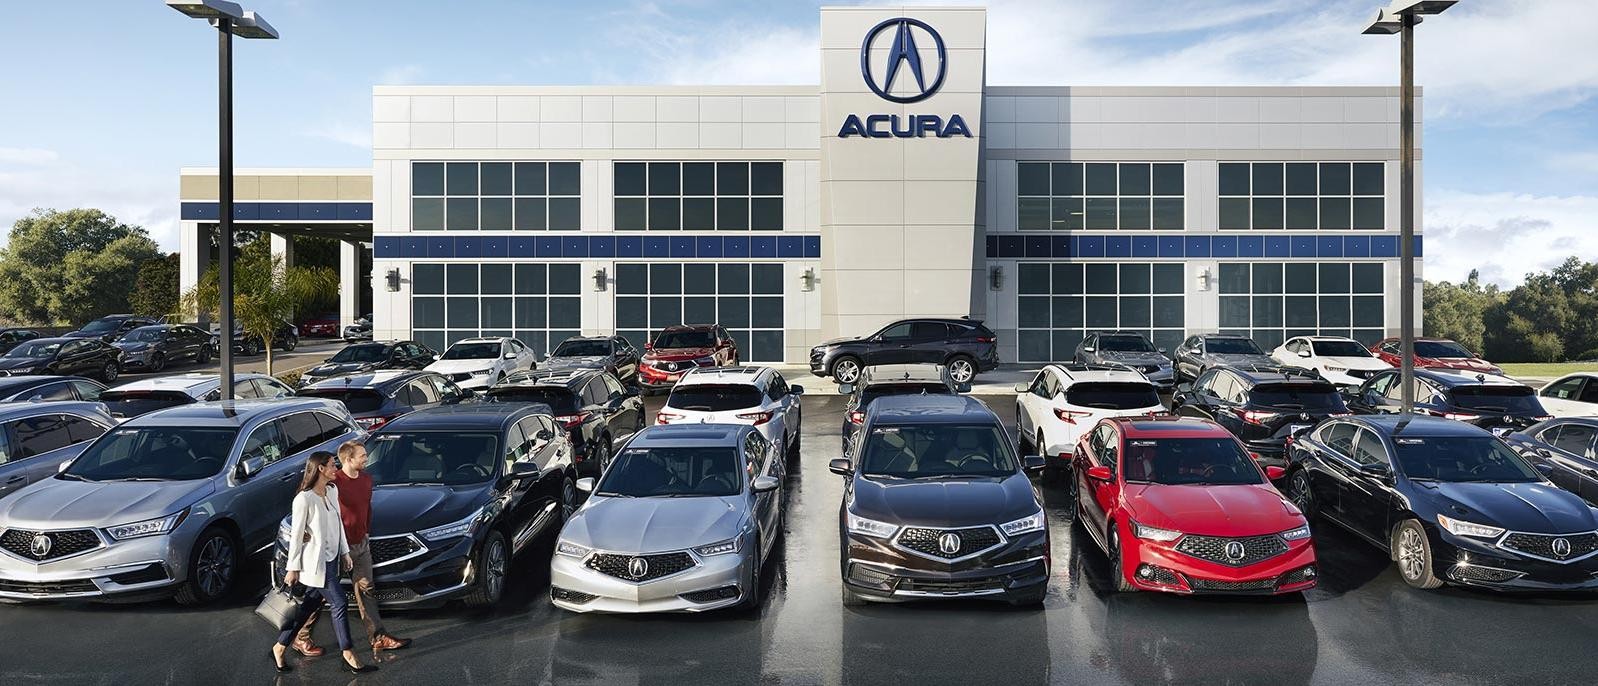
333	595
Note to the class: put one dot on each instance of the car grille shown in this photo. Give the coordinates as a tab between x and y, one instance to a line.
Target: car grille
973	541
1232	586
48	587
1148	368
1360	373
1485	574
1214	548
1162	576
62	543
154	572
569	596
1545	546
712	595
388	549
655	566
987	585
867	576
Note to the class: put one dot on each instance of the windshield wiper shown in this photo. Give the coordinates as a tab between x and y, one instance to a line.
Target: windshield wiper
613	494
71	477
951	476
139	478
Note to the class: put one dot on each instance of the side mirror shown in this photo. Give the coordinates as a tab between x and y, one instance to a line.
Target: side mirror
1376	470
1100	473
766	484
1303	353
62	468
1160	350
846	389
962	387
510	356
796	389
544	435
1544	467
251	466
1184	388
1023	387
1088	349
648	347
524	469
1033	464
840	466
1275	473
586	484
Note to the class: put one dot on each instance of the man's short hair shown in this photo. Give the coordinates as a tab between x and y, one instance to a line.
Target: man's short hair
346	450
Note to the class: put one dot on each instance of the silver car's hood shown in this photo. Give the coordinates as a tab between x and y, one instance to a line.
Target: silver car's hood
64	504
1238	358
648	525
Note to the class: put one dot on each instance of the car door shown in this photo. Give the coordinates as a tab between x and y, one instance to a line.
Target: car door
1574	458
1029	402
36	447
1209	392
758	454
1332	443
1087	488
1362	496
448	392
891	346
263	497
1562	398
1189	356
1382	394
624	358
929	342
789	405
521	495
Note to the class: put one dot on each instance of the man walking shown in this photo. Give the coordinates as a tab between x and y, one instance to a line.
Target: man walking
355	501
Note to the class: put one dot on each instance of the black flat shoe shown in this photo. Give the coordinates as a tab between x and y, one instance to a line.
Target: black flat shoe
363	669
281	668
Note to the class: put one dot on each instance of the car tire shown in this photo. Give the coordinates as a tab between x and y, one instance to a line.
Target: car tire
157	362
845	369
600	455
212	565
1412	550
109	372
203	356
962	368
251	348
1300	493
290	343
568	498
1116	572
493	560
751	600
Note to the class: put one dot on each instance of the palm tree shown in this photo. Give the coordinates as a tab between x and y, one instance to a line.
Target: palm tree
266	293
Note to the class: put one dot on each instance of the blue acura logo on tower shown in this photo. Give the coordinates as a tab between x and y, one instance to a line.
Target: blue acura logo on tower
903	54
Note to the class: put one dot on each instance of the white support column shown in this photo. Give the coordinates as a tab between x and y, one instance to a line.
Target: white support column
194	255
283	246
349	282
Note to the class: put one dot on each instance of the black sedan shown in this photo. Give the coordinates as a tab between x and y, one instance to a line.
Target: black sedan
110	327
286	338
608	353
154	347
376	398
63	357
11	336
457	492
1567	448
370	357
1449	501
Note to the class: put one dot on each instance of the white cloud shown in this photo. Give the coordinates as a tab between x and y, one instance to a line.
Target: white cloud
131	195
1505	235
357	134
27	156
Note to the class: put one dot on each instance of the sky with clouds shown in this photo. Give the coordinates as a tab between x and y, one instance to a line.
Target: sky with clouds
105	99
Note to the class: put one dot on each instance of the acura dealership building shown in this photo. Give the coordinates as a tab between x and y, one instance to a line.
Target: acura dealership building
902	185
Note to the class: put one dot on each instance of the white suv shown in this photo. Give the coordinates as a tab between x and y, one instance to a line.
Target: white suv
737	395
1064	401
1341	361
477	363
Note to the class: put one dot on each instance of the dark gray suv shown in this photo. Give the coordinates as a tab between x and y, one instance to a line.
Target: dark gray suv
964	346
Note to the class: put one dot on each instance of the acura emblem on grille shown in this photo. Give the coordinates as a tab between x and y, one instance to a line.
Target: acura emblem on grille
949	544
1235	551
40	546
638	567
1303	415
1561	547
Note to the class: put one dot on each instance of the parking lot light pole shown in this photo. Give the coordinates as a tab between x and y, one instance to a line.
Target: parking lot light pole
230	20
1401	18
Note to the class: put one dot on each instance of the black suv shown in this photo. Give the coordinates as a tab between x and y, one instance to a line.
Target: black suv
370	357
1131	349
286	338
377	398
111	327
1265	407
1198	353
457	493
609	353
896	379
903	531
965	346
592	406
1498	404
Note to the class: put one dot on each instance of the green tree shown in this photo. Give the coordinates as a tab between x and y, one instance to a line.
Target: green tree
68	266
266	292
1459	311
155	290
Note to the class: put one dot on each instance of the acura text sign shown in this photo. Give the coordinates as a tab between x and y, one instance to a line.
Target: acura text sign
903	78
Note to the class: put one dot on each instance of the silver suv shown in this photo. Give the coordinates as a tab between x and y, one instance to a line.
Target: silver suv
168	503
36	437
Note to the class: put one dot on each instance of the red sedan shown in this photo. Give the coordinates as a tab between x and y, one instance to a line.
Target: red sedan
1435	353
1178	506
324	326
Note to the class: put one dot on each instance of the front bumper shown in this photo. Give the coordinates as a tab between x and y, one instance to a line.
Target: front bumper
653	378
1463	561
576	587
152	565
875	569
441	572
136	359
1170	571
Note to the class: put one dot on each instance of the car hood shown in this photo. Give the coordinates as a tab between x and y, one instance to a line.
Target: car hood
649	525
345	368
1131	357
951	503
1356	362
1472	363
23	362
577	361
401	509
675	354
131	346
80	334
62	504
1238	359
1239	510
1531	507
461	366
837	341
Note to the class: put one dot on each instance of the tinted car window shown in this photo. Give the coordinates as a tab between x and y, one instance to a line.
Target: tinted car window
686	339
582	349
55	391
361	354
1340	349
433	457
1177	461
156	452
82	429
875	391
643	472
1112	395
1439	349
42	434
472	351
301	432
1125	344
126	404
1232	346
936	450
356	400
1575	439
560	400
1340	437
712	398
1298	396
265	442
929	331
1519	399
37	350
1462	459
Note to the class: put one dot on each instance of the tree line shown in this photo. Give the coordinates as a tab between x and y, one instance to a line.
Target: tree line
1551	317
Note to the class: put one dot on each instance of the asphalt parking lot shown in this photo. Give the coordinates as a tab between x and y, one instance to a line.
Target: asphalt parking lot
1362	625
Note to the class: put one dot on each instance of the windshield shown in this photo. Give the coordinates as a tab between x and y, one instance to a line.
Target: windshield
1462	459
1440	349
685	339
1232	346
129	404
1503	399
472	351
1130	344
1180	461
432	457
361	353
161	453
644	472
560	400
102	325
582	349
936	450
875	391
145	334
1339	349
709	398
1113	395
38	350
1317	396
358	401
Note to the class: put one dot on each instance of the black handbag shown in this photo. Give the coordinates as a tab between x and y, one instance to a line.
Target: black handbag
281	606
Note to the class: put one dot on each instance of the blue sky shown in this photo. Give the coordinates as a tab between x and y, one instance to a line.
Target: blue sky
106	99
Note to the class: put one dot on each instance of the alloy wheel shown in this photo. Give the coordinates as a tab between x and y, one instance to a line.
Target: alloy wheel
568	499
1298	491
846	371
214	568
1411	554
494	568
961	370
604	456
157	362
110	372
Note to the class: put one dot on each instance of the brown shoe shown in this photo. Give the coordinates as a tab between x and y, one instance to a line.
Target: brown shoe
387	642
305	647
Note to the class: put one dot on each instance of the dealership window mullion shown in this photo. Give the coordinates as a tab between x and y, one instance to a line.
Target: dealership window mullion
746	298
1100	196
495	196
537	303
1272	302
1060	302
1302	196
699	196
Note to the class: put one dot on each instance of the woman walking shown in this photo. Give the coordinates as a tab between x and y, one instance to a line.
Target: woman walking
317	547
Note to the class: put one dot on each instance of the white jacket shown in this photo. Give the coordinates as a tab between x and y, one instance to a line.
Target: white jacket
315	529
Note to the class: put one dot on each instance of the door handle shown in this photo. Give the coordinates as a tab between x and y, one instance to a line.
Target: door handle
16	479
287	477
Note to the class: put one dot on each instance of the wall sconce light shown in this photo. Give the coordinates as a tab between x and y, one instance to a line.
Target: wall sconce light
808	279
601	279
393	278
1204	279
996	278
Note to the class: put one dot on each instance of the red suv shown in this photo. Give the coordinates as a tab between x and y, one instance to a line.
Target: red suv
1435	353
1177	506
680	348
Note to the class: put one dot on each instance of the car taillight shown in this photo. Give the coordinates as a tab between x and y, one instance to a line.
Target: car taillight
666	417
1458	416
757	418
1543	418
371	423
1253	416
1070	416
571	421
987	339
857	417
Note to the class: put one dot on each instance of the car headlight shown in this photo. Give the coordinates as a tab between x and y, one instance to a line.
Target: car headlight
1023	525
870	527
283	533
148	527
1462	528
462	527
1150	533
1335	369
570	549
704	360
728	546
1296	534
481	372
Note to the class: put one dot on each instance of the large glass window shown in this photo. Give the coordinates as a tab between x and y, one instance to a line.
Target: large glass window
495	196
744	298
1060	302
698	196
536	303
1273	302
1302	196
1099	196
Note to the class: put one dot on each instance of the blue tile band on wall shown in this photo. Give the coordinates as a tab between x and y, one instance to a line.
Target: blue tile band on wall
281	211
1278	246
677	246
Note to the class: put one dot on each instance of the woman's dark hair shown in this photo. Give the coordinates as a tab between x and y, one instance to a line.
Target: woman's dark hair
313	466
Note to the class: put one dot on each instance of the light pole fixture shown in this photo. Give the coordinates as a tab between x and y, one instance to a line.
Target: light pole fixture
1401	18
393	278
808	279
601	280
996	278
230	20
